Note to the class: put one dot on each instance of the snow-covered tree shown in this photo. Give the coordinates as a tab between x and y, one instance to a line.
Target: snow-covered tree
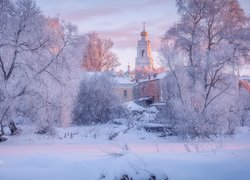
98	55
34	53
96	102
243	105
203	51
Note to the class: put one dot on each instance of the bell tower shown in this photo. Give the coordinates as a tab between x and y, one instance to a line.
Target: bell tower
144	58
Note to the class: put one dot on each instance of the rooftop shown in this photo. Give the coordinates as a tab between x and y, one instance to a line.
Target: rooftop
123	80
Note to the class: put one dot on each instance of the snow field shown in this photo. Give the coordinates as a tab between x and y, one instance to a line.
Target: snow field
136	153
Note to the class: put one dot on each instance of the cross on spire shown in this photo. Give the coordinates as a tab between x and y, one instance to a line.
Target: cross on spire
144	33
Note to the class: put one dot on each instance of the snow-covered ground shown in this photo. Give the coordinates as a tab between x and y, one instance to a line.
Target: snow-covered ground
88	153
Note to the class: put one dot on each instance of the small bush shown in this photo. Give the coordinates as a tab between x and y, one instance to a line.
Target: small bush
96	102
2	139
45	129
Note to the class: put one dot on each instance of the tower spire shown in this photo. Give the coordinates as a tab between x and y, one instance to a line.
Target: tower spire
144	33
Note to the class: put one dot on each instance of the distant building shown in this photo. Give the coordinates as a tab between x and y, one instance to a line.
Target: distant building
129	74
149	91
149	81
147	86
245	78
144	61
123	88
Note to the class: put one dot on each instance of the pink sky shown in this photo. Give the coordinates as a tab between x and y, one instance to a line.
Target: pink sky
120	20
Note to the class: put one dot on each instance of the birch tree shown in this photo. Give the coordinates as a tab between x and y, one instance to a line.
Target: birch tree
211	40
33	52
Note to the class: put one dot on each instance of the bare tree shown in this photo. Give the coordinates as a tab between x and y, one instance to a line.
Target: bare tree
98	55
33	56
211	39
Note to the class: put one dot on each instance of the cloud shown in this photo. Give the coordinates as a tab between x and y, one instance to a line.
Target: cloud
88	14
89	10
156	2
123	36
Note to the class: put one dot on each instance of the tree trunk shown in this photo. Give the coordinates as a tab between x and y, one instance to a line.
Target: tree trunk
1	128
13	128
2	139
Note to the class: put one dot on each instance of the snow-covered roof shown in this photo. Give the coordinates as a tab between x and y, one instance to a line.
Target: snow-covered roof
155	77
123	80
245	78
90	74
159	104
132	106
161	75
144	98
120	80
245	70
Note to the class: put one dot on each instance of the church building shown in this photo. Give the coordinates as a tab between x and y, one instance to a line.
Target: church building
144	61
149	81
146	87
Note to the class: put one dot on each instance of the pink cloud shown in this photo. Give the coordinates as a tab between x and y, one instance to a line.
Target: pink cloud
87	13
123	37
111	9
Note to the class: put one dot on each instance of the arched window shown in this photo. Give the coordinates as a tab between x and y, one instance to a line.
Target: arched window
142	53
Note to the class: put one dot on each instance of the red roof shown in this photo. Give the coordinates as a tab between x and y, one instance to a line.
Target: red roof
245	84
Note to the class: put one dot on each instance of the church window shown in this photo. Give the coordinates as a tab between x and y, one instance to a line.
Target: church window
142	53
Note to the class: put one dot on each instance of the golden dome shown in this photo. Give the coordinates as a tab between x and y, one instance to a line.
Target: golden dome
144	33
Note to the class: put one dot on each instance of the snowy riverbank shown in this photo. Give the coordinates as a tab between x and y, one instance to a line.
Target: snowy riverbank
89	154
